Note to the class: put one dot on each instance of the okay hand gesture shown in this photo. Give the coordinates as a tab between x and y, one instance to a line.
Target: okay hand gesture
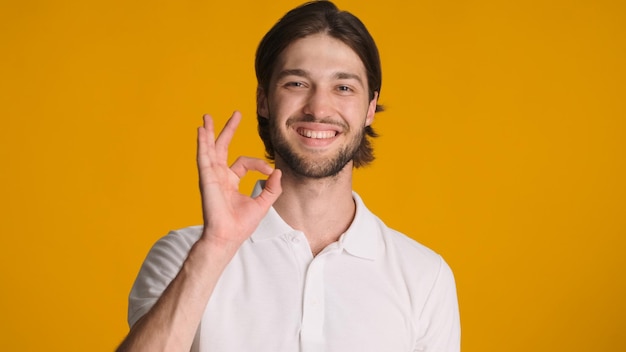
229	216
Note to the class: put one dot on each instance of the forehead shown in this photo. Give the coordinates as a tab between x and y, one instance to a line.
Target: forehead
320	53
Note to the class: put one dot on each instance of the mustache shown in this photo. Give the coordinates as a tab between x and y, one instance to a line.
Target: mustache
310	118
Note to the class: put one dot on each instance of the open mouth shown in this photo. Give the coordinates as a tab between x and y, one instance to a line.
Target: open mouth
316	134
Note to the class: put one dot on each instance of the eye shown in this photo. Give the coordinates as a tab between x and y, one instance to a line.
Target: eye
344	88
294	84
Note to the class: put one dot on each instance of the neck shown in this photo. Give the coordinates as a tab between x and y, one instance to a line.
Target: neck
321	208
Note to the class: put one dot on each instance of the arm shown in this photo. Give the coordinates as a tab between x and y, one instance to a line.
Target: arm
229	219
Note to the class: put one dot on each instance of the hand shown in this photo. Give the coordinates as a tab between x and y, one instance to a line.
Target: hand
229	216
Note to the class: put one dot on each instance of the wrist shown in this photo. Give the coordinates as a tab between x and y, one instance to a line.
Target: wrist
216	247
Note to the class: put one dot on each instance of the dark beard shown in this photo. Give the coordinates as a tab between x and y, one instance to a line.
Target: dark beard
299	165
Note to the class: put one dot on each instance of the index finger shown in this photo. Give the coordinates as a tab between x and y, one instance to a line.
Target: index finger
226	135
206	141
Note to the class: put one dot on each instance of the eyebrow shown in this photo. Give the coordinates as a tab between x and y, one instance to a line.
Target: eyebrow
304	73
293	72
346	75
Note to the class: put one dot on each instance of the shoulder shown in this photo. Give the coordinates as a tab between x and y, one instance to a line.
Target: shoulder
180	240
175	245
409	250
395	246
425	274
421	267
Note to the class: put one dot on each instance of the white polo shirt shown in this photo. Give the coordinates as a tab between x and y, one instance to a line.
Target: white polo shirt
374	289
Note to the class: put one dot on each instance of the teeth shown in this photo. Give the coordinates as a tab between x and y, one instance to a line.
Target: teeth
317	134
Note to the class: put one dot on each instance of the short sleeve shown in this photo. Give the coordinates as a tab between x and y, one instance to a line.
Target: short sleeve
440	316
160	267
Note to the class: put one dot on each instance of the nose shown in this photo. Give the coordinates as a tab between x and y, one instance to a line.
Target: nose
318	104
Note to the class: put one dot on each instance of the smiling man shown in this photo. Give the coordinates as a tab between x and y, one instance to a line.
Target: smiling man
318	98
302	265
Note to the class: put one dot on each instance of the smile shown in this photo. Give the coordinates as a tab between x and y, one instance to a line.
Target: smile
316	134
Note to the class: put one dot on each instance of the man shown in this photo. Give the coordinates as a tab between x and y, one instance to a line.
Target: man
302	265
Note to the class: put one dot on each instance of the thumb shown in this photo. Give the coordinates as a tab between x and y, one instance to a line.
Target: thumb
272	189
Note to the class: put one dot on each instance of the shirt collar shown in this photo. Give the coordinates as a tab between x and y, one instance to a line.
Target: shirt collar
272	225
361	239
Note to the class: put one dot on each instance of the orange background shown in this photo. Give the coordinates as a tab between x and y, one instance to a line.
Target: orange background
503	148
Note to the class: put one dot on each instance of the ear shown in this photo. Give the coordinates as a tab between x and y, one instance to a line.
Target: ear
371	110
261	103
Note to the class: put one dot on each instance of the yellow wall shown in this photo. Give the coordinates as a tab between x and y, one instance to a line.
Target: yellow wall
503	148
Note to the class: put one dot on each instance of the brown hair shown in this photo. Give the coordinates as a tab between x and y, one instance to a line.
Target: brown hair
312	18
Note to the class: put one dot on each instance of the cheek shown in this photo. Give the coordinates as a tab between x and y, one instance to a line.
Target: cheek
282	107
361	114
